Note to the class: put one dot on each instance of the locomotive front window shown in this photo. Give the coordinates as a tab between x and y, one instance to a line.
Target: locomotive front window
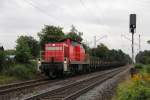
53	48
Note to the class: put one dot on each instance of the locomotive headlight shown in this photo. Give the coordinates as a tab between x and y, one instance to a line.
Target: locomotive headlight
39	62
65	62
38	65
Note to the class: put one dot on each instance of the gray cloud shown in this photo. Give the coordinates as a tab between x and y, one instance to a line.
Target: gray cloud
98	17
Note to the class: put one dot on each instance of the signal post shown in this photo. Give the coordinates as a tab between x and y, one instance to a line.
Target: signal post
132	27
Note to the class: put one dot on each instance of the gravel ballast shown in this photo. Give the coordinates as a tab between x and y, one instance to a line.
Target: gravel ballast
106	90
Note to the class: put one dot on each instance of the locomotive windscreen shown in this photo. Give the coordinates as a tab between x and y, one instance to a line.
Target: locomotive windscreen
53	48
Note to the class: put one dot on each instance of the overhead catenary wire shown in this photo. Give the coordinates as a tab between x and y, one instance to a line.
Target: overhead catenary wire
129	39
84	5
42	11
104	36
99	18
95	40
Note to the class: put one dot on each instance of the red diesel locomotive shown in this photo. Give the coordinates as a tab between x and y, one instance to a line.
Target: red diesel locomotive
68	56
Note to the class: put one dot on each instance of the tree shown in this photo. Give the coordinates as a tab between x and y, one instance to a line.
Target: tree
148	41
101	51
110	55
74	34
1	48
23	51
50	34
32	44
113	55
118	55
10	52
143	57
2	59
86	47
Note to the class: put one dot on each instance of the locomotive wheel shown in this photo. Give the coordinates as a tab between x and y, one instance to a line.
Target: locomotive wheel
60	74
51	75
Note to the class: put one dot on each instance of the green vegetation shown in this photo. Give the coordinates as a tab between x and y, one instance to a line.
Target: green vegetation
17	71
134	91
21	71
74	34
101	51
1	48
27	48
139	66
2	59
104	53
138	88
143	57
7	79
33	45
54	34
21	68
10	52
50	34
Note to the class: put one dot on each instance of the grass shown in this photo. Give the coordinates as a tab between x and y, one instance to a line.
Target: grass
7	79
138	88
18	72
131	90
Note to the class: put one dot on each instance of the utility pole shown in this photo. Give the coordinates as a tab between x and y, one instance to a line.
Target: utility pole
96	40
139	43
132	30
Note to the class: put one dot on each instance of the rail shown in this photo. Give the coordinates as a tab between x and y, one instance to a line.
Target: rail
73	90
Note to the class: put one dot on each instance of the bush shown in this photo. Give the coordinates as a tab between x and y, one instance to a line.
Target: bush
138	88
139	66
22	71
148	69
147	60
22	57
133	91
7	79
145	69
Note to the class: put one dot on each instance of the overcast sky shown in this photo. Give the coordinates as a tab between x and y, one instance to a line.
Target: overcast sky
92	17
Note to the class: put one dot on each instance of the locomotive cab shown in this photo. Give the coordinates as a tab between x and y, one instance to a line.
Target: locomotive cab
58	57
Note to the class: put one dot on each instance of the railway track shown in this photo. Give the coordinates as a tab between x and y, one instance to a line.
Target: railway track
16	85
5	89
17	90
75	89
21	88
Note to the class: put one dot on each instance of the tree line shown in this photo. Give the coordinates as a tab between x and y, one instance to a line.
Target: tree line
143	57
104	53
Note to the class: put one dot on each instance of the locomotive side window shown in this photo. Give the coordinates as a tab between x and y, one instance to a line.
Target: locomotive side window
53	48
74	43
